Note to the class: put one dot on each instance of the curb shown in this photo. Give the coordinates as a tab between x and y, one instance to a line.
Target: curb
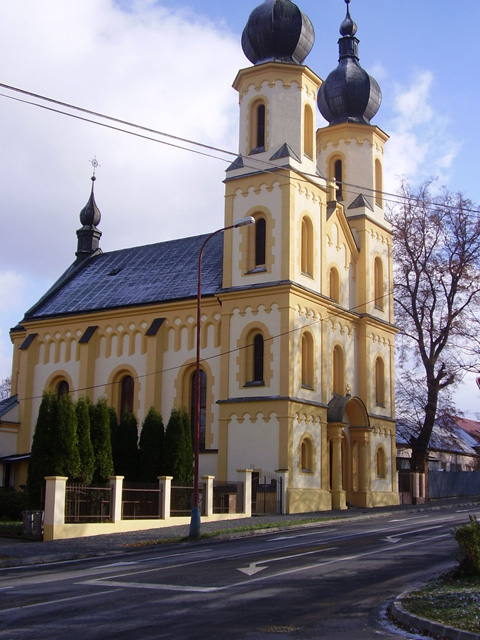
423	624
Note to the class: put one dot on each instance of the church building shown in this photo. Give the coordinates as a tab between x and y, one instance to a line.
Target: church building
296	328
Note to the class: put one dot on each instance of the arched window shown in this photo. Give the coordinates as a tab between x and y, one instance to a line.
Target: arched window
307	247
257	127
378	183
260	241
308	131
127	387
378	283
254	374
380	382
306	456
307	360
338	175
338	371
381	463
334	285
203	406
62	388
258	358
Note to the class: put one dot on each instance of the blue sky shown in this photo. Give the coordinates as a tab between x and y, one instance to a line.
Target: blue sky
170	65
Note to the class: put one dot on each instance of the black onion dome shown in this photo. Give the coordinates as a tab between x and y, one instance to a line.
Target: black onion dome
349	94
90	214
277	31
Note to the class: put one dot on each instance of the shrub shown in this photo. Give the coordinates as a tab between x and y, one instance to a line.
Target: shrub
468	538
12	503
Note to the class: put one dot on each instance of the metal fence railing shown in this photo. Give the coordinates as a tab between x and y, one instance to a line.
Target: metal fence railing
181	501
141	500
228	497
87	504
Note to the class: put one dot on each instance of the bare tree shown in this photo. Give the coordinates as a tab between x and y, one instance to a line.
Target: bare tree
5	386
437	292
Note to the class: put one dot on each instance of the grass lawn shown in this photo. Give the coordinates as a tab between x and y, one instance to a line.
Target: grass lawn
452	600
11	529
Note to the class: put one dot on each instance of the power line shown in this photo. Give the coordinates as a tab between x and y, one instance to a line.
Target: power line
269	166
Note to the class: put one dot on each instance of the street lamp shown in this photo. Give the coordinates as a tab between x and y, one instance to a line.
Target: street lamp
194	533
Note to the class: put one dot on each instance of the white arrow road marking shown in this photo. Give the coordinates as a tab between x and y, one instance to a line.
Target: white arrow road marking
253	568
396	536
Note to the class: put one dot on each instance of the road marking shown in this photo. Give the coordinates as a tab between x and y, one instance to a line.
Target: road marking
253	567
301	535
395	537
47	603
151	586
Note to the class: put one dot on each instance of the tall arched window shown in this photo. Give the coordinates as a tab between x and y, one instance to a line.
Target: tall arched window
127	387
338	371
306	456
381	463
380	382
62	388
338	175
203	406
260	241
258	358
378	183
308	131
255	352
257	127
307	247
378	283
307	360
334	285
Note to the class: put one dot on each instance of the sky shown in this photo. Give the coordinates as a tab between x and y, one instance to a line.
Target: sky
169	65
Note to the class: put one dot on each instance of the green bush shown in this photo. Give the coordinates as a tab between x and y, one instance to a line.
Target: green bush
12	503
468	538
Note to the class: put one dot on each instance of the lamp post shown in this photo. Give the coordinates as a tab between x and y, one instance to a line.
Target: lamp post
194	533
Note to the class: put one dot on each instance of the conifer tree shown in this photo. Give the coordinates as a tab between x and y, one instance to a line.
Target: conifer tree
126	458
101	442
66	455
113	431
178	453
151	447
85	448
41	461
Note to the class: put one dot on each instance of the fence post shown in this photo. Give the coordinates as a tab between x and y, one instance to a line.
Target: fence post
208	498
55	490
117	490
246	475
283	473
165	485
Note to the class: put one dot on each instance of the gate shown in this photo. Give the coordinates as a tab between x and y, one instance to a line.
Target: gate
266	493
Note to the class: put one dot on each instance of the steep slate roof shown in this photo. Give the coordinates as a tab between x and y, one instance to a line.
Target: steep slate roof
149	274
7	404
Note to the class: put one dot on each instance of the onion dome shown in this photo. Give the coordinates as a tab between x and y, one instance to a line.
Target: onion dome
90	214
277	31
349	94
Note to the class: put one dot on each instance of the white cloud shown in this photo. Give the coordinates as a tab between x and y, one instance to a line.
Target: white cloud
420	145
163	68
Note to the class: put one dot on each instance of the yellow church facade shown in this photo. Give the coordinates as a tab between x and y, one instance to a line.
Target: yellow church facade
297	333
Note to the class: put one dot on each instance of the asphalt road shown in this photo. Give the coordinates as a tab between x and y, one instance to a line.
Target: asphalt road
330	582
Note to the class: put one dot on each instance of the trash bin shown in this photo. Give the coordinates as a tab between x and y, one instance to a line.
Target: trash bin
33	524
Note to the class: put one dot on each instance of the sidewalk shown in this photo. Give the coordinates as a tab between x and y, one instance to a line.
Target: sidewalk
14	552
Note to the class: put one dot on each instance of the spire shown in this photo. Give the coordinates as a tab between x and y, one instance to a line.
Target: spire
349	94
89	236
